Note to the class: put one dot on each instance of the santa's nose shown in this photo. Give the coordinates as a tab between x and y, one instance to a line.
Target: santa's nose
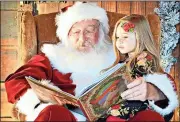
82	39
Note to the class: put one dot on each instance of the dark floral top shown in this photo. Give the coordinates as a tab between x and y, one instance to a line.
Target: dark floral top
142	65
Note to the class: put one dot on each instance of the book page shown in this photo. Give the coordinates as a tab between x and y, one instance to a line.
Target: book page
101	78
106	93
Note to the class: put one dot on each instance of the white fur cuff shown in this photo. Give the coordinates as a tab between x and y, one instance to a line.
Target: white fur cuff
34	114
165	85
27	102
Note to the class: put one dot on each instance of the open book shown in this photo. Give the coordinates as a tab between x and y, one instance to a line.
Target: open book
96	99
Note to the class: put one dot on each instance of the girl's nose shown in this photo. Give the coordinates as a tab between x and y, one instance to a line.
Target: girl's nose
120	41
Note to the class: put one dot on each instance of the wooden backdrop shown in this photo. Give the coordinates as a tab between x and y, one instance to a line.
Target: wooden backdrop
9	44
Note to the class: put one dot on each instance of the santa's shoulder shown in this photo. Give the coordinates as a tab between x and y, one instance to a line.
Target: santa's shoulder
41	57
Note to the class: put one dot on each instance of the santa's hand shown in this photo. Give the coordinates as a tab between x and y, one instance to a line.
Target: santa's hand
140	90
137	90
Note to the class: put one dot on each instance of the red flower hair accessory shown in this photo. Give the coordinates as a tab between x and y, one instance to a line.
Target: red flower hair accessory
128	27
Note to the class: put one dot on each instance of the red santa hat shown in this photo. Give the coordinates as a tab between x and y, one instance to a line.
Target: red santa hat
76	13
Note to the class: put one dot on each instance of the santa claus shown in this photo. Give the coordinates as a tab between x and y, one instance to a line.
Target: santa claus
70	65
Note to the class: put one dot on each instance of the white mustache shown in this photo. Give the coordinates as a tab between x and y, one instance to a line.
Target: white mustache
87	43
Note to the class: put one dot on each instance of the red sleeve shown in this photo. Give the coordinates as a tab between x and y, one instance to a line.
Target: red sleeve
38	67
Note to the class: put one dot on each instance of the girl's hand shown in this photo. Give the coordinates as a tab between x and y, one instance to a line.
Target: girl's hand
141	90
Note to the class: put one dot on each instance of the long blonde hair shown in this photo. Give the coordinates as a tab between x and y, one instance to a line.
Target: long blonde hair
144	38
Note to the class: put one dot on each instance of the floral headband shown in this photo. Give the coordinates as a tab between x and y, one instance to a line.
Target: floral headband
127	26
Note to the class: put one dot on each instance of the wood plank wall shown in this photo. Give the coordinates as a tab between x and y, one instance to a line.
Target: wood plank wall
9	50
132	7
9	37
11	13
9	42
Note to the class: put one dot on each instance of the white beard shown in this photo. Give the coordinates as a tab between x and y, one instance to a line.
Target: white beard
84	66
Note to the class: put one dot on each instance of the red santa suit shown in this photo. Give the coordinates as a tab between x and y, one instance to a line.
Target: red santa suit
67	72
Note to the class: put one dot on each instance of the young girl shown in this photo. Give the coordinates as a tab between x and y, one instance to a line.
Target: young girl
133	43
